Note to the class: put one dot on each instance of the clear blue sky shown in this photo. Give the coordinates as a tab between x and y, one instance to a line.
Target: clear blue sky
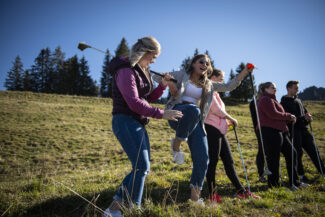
284	38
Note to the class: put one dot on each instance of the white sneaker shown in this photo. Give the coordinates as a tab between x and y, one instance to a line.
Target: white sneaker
200	201
112	213
303	184
178	156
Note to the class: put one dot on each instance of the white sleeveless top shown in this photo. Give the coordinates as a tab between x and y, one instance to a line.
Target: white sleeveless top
192	93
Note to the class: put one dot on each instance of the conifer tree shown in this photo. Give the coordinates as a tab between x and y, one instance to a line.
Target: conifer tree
245	91
14	80
69	81
58	61
42	72
27	81
122	49
86	85
106	78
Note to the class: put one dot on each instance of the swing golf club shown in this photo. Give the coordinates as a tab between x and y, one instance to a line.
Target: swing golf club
83	45
242	160
266	171
316	149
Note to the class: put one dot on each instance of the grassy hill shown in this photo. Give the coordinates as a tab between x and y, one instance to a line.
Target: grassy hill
53	147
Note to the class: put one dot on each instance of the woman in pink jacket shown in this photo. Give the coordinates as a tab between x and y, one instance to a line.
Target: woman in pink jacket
216	126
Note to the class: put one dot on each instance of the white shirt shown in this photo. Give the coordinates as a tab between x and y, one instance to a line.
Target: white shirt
192	93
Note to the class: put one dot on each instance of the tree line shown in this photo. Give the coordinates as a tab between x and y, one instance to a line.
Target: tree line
53	73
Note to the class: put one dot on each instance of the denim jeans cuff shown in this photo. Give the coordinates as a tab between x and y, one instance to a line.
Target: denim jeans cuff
181	139
195	186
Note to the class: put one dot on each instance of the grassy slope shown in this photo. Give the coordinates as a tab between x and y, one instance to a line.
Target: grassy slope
46	140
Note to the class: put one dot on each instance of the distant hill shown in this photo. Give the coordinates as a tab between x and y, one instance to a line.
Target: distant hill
312	93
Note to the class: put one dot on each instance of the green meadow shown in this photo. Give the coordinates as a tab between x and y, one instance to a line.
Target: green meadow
58	151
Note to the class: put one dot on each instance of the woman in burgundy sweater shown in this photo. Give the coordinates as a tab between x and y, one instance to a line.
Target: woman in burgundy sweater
274	128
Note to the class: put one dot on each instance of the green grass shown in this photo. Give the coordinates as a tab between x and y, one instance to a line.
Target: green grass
49	143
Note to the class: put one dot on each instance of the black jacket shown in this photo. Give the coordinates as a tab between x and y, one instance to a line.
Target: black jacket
295	107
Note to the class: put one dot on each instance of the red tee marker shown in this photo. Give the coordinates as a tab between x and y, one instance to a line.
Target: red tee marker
250	66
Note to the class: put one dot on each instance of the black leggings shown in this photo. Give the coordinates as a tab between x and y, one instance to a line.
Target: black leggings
219	146
276	142
304	140
260	155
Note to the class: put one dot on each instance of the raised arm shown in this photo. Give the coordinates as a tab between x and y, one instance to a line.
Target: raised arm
234	83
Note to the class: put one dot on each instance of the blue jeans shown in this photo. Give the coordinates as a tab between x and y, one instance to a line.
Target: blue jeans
135	142
189	128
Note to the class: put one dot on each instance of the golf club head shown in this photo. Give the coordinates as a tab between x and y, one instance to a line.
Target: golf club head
83	45
267	172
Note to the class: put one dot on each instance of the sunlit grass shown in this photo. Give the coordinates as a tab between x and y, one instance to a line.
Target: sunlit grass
49	143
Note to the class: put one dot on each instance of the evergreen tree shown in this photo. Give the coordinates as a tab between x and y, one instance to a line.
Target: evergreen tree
70	80
58	69
122	49
196	52
106	79
186	63
14	80
42	72
245	90
27	81
87	86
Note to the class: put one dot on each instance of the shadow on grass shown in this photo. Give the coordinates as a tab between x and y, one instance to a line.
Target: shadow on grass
73	205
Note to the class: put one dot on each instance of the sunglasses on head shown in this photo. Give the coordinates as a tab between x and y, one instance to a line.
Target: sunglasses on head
204	62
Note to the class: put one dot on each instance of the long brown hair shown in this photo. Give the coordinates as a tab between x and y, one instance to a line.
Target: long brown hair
204	81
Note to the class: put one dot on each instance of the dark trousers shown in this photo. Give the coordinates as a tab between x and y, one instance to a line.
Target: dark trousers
276	142
219	146
259	156
304	140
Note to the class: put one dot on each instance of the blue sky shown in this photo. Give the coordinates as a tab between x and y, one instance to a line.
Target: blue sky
283	38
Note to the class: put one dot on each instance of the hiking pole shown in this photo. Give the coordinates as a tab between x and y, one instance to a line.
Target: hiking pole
242	160
316	149
267	172
282	183
83	45
292	152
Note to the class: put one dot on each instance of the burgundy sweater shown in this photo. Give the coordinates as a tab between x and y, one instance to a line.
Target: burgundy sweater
272	114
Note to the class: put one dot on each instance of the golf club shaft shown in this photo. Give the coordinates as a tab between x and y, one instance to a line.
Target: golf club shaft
99	50
161	75
83	45
242	160
316	149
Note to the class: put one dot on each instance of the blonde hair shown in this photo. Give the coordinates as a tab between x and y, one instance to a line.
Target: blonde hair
143	46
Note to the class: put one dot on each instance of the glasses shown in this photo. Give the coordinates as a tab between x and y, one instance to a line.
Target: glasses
272	88
204	62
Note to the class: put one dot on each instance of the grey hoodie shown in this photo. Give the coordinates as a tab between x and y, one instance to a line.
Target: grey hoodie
183	77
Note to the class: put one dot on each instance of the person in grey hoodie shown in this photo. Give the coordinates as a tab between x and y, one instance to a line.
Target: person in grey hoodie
193	98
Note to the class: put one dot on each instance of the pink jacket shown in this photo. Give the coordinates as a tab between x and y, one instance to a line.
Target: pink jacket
217	114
